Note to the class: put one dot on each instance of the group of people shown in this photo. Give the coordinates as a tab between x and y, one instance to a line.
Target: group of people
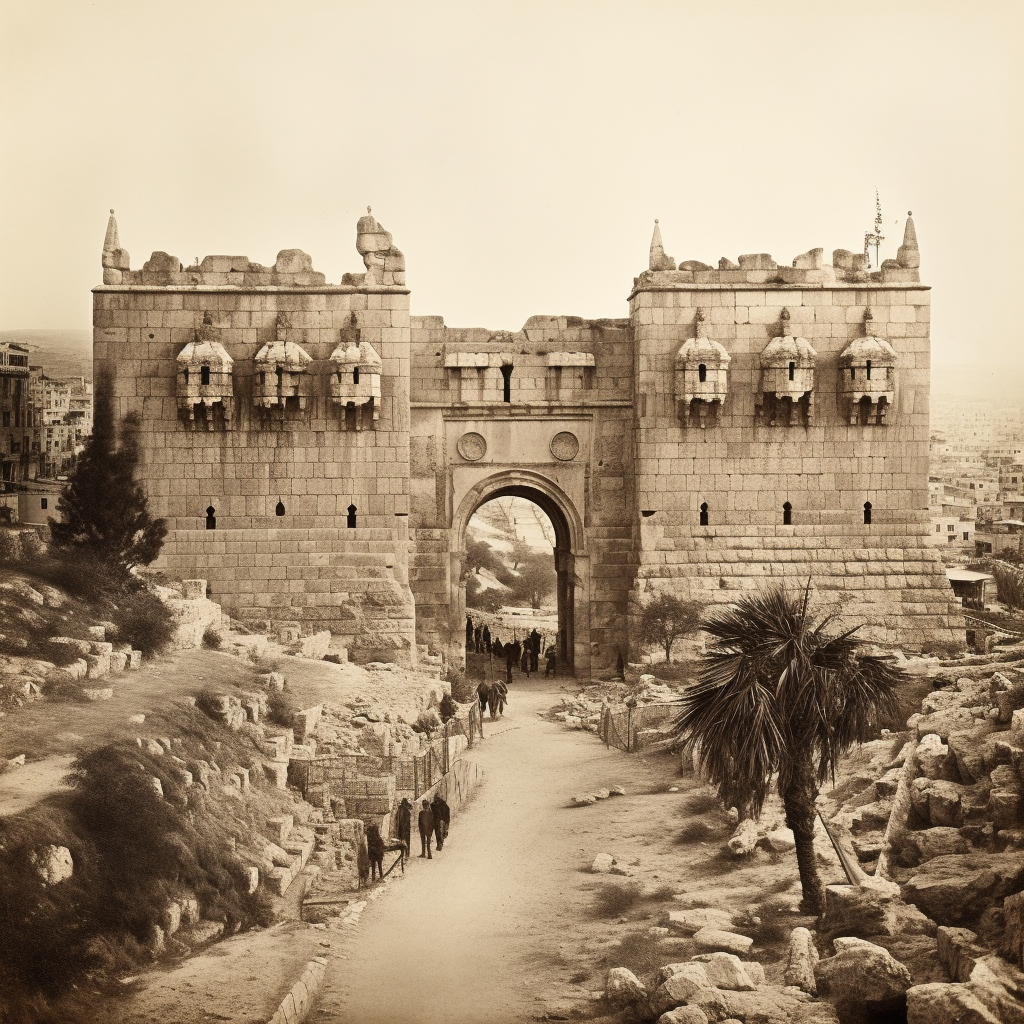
524	656
434	821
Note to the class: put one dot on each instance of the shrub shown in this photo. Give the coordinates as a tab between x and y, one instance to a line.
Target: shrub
664	620
638	952
695	832
613	899
281	709
144	621
447	708
212	639
463	689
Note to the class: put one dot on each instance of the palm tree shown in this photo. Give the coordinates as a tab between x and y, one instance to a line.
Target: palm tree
781	694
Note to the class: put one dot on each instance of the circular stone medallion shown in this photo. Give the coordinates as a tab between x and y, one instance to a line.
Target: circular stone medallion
472	446
565	446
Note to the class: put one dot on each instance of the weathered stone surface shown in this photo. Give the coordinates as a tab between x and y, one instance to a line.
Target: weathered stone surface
942	723
622	988
958	951
932	755
716	939
725	971
603	863
684	1015
861	972
957	1004
926	844
863	911
1013	913
689	922
744	839
956	890
53	864
678	988
937	802
803	955
583	800
967	752
781	840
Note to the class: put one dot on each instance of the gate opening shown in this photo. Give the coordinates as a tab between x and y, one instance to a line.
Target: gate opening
518	586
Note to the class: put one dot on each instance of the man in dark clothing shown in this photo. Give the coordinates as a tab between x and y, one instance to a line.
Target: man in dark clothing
405	824
524	665
517	653
477	633
496	648
534	650
469	633
426	830
487	639
442	819
510	660
549	667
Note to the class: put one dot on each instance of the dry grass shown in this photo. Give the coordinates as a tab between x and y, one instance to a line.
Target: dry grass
613	899
638	951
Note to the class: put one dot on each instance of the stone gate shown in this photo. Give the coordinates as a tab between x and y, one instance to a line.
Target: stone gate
318	451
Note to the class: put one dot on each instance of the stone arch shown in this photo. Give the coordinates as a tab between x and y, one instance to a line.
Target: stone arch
572	564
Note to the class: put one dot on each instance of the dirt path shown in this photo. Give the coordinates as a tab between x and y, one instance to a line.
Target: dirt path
483	931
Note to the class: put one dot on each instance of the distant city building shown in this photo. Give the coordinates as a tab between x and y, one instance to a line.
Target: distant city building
17	461
61	414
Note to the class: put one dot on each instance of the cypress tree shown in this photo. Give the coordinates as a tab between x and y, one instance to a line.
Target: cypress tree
104	511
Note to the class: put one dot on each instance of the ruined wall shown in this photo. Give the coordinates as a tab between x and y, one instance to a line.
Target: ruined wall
280	473
744	469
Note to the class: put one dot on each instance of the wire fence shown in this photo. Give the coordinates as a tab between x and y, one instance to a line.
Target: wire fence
633	728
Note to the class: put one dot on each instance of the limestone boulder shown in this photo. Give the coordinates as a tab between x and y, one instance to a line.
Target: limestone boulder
684	1015
780	840
926	844
1013	914
776	1006
715	940
937	802
956	890
932	757
689	922
603	863
53	864
803	955
863	911
678	988
622	988
744	839
861	974
929	1004
942	723
726	971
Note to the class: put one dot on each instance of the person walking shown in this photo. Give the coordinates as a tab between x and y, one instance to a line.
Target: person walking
477	634
426	823
534	650
524	664
469	633
487	639
510	658
551	662
442	818
405	824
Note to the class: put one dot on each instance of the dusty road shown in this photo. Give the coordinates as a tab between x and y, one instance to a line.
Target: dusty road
480	932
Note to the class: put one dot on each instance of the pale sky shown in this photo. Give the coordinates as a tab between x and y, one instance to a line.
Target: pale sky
519	152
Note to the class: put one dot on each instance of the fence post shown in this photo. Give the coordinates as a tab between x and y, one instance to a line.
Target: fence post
629	730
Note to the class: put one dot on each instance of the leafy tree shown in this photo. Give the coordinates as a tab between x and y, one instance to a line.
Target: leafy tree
779	693
485	599
536	579
665	619
103	507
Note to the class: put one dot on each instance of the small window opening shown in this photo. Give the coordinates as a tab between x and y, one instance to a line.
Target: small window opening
280	377
186	374
43	503
355	375
204	376
351	522
867	513
702	373
211	519
792	371
263	378
279	509
868	368
704	514
506	373
787	514
648	512
853	373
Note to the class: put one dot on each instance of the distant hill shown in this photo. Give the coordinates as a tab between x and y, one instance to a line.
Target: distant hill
60	353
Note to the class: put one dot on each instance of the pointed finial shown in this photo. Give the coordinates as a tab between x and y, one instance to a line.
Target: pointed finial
368	210
110	240
908	255
658	260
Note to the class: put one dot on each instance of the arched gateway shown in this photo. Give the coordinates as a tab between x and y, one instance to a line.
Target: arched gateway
344	444
572	566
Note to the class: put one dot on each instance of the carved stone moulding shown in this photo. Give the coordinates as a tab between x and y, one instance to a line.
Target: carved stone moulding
564	446
472	446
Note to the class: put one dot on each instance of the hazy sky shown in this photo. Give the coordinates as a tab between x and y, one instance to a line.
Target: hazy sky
519	152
